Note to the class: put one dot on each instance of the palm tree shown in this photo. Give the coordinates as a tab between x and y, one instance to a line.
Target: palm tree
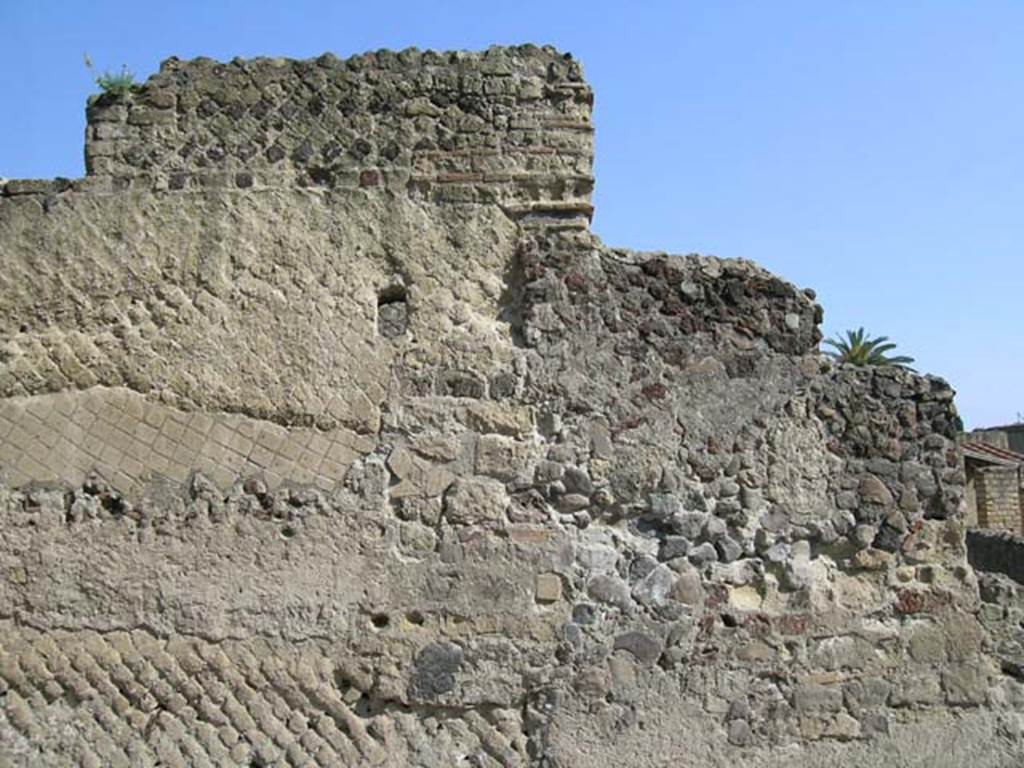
857	349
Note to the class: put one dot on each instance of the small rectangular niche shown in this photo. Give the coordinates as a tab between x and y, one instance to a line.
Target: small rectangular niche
392	312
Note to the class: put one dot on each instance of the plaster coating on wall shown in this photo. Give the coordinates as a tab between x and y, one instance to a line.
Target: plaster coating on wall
330	435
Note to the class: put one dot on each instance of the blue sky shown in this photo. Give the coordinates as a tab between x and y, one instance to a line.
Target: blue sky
873	151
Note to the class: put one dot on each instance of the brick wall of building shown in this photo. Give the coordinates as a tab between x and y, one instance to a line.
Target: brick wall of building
999	498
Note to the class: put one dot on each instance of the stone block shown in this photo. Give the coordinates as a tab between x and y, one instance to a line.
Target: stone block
144	117
610	590
475	501
501	457
966	684
656	587
645	648
927	643
548	588
922	688
814	699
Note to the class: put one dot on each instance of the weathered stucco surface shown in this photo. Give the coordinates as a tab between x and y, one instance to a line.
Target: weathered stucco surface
330	435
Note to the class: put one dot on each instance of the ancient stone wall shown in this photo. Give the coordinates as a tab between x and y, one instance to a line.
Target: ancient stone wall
325	456
998	558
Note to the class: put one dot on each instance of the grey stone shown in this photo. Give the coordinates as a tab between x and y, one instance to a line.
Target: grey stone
776	520
739	709
751	498
864	535
875	724
689	587
888	539
703	554
739	733
434	670
673	547
847	500
843	523
814	699
644	647
690	525
919	689
927	644
728	549
866	694
663	506
393	319
548	471
640	566
654	588
777	553
573	502
715	528
966	684
823	532
731	511
584	613
577	481
728	488
610	590
874	491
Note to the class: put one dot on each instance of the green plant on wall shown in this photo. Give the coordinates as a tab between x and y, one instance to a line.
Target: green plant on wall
114	83
857	348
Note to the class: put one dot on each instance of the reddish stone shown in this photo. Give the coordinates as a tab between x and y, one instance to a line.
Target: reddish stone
575	281
910	601
655	391
795	624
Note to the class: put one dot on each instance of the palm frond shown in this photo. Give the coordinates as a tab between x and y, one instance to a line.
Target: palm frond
857	348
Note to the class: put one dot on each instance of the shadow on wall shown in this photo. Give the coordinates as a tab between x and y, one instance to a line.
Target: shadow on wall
996	552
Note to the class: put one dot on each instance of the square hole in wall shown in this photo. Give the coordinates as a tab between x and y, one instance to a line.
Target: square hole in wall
392	312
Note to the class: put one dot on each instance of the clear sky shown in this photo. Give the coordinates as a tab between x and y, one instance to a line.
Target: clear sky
873	151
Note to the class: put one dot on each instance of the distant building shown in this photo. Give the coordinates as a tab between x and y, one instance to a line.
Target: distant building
994	462
1010	436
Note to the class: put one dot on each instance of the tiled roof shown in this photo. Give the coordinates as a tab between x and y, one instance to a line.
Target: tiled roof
992	454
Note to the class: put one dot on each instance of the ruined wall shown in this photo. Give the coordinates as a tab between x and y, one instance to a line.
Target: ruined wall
325	456
506	126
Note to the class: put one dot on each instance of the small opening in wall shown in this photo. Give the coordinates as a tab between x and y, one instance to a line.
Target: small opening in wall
323	177
415	617
367	706
392	311
380	620
288	532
